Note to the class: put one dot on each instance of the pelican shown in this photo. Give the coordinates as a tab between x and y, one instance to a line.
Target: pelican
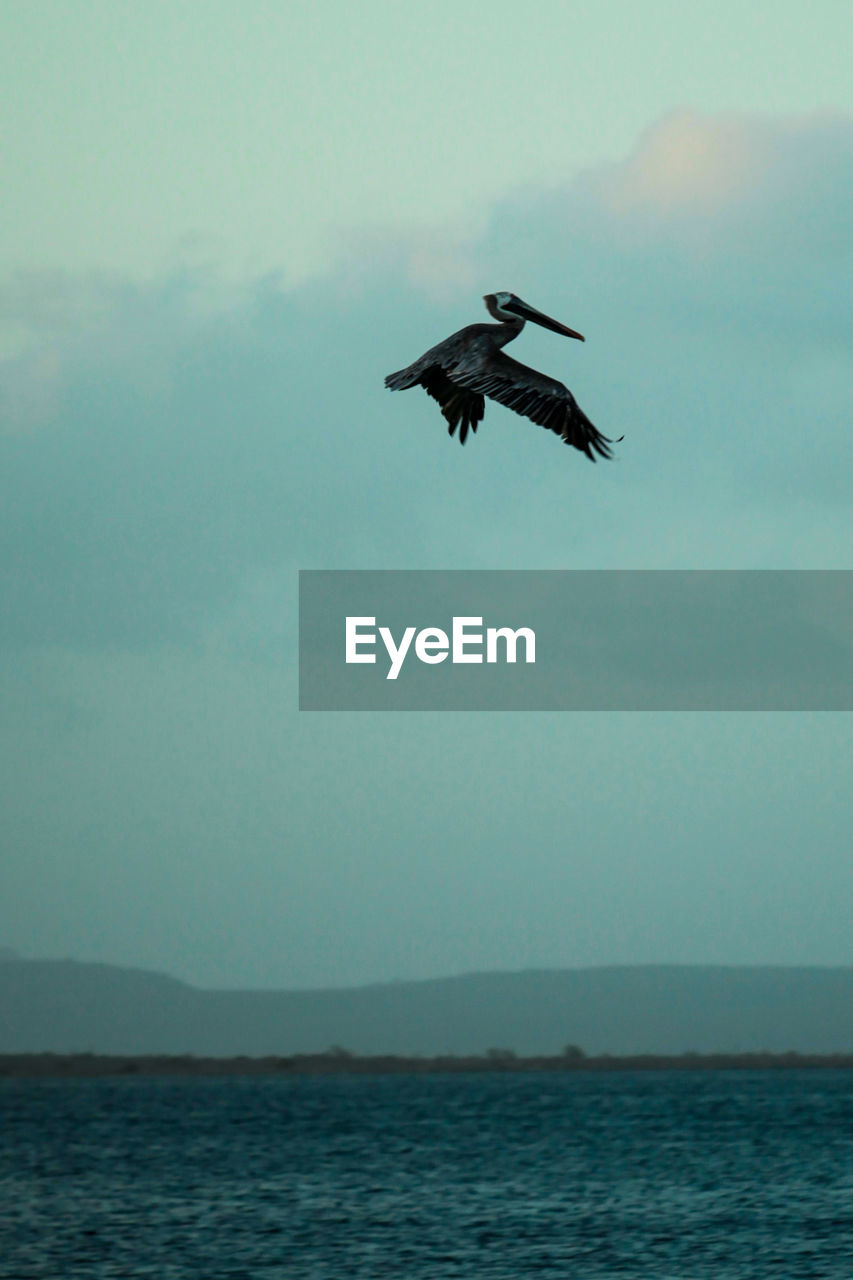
464	368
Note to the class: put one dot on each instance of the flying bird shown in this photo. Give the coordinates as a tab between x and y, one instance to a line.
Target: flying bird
464	368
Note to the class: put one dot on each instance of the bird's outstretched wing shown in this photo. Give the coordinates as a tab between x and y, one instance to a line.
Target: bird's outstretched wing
534	395
463	408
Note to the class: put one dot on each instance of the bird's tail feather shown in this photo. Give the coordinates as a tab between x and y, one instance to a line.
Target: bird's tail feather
402	380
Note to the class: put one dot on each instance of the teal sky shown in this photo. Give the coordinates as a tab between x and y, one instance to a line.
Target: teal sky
267	135
226	224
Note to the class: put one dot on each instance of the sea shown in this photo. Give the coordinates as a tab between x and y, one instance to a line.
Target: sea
685	1174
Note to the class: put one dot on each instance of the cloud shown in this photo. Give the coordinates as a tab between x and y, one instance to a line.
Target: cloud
179	450
173	452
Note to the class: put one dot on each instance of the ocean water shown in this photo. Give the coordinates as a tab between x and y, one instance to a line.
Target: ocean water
681	1174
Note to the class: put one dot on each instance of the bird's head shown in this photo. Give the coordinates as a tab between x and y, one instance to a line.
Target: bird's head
509	308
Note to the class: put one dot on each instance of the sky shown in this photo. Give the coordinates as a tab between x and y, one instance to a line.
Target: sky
225	227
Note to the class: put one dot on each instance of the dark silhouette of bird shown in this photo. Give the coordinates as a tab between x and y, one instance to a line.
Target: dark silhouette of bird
464	368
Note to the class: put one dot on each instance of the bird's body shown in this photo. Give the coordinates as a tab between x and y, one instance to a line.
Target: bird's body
471	364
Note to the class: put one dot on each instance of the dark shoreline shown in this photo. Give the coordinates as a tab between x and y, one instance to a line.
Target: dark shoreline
87	1065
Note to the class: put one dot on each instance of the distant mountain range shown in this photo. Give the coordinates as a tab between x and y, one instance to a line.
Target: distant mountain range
63	1006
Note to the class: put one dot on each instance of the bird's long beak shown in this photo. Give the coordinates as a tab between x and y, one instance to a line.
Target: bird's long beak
526	312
